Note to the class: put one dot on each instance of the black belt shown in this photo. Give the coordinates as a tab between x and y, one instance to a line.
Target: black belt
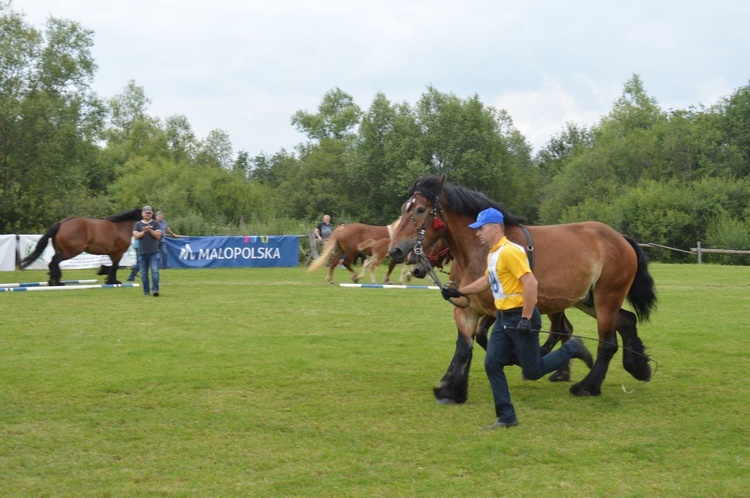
511	312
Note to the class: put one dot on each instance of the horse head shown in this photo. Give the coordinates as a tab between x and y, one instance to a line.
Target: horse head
422	223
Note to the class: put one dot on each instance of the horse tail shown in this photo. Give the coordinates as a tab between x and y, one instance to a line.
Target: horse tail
321	260
41	245
642	293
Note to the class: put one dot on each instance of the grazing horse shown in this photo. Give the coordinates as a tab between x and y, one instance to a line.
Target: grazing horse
74	235
343	242
587	265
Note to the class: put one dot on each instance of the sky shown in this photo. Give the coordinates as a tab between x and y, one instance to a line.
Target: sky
246	66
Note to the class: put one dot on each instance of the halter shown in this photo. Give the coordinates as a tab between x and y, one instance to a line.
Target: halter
438	222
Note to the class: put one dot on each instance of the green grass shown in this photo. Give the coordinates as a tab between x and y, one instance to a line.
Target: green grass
268	382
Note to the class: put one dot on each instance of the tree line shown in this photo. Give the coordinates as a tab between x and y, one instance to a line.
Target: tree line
672	177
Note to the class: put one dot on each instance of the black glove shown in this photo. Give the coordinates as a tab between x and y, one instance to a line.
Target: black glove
450	292
524	325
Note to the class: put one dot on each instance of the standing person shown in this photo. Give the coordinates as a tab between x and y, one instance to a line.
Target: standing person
165	230
135	268
147	233
518	321
324	229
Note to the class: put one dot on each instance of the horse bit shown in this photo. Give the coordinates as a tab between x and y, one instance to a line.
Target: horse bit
438	222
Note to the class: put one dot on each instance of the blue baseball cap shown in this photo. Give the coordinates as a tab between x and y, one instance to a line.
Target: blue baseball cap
489	215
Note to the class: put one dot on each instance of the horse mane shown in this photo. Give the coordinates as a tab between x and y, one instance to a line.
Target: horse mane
132	215
461	199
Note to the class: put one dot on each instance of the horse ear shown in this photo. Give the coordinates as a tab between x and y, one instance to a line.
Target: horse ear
442	180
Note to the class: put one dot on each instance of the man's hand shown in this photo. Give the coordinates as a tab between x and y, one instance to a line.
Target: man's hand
524	325
450	292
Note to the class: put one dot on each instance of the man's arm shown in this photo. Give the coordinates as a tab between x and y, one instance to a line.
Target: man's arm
479	285
530	285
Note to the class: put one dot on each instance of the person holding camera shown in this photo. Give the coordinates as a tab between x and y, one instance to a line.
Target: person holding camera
147	233
515	334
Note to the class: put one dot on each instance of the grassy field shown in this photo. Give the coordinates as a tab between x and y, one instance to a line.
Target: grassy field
268	382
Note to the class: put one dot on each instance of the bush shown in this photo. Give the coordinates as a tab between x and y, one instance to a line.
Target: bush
727	232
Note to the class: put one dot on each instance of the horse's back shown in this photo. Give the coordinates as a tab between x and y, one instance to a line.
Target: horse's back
571	259
93	235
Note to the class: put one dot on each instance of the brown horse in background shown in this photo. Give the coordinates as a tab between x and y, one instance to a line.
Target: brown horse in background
377	250
74	235
343	242
585	265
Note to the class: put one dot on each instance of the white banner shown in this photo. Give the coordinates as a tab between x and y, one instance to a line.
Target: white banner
7	252
27	243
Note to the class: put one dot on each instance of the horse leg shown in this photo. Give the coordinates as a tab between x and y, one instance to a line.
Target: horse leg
112	275
606	319
374	265
634	359
365	265
560	330
54	270
391	266
332	264
485	322
347	262
454	386
405	274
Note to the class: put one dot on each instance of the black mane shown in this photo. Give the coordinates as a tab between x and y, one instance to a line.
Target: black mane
132	215
460	199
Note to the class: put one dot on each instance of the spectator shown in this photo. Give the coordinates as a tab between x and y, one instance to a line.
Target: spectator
134	269
147	233
165	230
324	229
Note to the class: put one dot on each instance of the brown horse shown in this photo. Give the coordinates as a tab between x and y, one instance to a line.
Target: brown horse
377	250
343	242
74	235
586	265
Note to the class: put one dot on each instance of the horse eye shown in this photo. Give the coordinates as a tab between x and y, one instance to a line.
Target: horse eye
421	210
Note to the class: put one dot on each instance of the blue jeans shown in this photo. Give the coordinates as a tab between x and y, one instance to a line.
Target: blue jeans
508	346
148	262
163	252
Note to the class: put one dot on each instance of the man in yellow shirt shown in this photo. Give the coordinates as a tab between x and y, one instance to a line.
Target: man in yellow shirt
518	321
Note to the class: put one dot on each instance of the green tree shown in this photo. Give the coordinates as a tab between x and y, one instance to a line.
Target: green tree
337	118
49	123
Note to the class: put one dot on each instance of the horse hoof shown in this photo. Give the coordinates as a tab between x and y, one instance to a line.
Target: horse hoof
580	389
445	401
640	371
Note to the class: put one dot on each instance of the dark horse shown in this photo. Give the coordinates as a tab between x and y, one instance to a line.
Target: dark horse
587	265
74	235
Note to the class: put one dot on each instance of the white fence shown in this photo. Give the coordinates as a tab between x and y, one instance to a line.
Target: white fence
698	251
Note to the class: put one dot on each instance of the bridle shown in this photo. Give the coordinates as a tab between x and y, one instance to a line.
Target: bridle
438	221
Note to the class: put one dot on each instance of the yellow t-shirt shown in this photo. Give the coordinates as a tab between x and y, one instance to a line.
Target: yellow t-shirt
506	264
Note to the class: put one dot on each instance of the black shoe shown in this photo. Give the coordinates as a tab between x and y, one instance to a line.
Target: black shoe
583	353
499	424
156	294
